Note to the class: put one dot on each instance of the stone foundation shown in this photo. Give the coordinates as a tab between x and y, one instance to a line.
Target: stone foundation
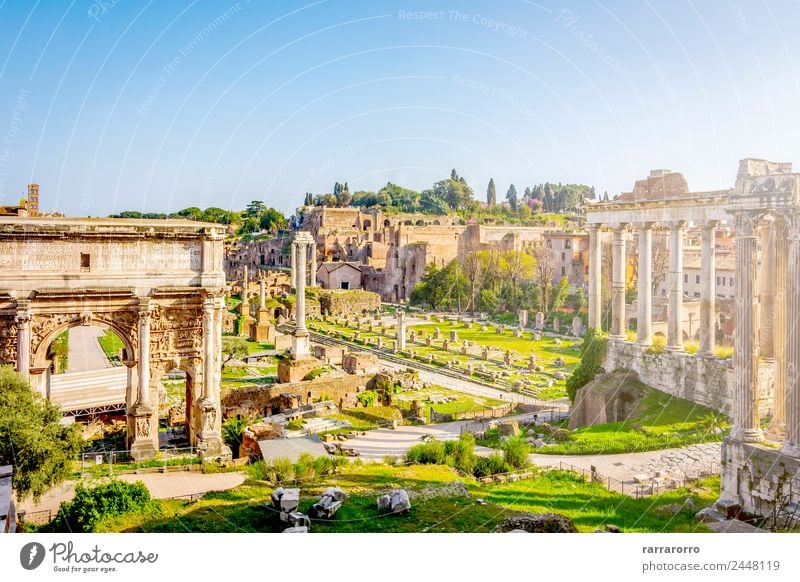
706	381
290	370
759	478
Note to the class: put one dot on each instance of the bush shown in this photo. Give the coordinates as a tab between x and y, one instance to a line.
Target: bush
91	505
390	460
491	465
232	433
276	471
515	452
315	373
461	453
367	398
432	453
593	351
295	424
305	467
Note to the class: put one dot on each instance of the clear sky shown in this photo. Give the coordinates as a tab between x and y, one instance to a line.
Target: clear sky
120	104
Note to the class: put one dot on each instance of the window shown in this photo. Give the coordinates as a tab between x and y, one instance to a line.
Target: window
685	278
696	294
86	262
563	257
697	279
345	285
730	281
563	271
568	244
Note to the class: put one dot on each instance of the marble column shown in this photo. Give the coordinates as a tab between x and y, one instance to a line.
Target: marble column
766	290
300	344
675	315
262	294
644	284
595	281
708	291
780	329
618	270
293	279
143	393
401	330
745	349
209	348
23	321
791	442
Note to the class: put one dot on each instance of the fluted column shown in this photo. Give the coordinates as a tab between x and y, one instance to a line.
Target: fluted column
618	270
143	393
766	290
708	291
595	274
294	267
675	315
791	443
23	320
745	350
401	330
209	347
644	297
780	330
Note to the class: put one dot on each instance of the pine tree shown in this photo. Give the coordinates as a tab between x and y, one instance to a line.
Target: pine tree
491	194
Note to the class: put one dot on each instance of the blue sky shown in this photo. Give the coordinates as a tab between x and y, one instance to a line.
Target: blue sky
114	105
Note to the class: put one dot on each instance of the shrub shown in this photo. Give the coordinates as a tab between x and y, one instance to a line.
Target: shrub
315	373
691	347
295	424
515	451
389	460
232	432
91	505
491	465
276	471
461	453
658	346
724	352
305	467
367	398
593	351
432	453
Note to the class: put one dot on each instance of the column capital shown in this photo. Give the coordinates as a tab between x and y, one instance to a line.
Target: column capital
676	224
620	226
710	225
645	225
746	223
792	224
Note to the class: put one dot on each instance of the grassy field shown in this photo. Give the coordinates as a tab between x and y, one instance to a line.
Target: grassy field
660	421
546	351
111	344
247	508
367	418
463	402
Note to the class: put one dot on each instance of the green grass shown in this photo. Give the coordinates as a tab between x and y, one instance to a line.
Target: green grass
60	348
111	344
588	505
463	402
662	421
367	418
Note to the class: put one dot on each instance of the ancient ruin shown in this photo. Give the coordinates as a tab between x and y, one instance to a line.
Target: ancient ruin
157	284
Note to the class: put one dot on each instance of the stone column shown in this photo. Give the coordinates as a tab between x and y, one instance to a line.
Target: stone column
791	443
23	320
262	294
618	283
300	347
780	328
595	281
675	316
644	328
745	349
143	394
708	291
401	330
209	374
142	418
766	289
293	278
310	263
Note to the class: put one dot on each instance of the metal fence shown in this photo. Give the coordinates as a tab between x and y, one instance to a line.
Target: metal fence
108	463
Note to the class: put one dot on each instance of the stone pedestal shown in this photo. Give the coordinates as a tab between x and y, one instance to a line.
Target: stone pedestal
209	440
143	425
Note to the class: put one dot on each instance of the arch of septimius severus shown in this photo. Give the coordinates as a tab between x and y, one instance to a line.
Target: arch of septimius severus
158	284
760	468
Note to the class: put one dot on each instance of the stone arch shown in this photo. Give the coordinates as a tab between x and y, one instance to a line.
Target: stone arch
193	396
366	225
49	332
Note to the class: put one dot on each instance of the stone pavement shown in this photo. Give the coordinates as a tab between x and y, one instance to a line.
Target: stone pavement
84	351
674	463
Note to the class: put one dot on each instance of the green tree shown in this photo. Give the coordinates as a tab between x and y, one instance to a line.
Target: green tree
272	220
561	292
511	196
515	451
255	209
491	193
233	347
32	437
593	351
91	505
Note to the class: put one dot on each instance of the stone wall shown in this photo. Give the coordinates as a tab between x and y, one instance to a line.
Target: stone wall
759	477
263	400
347	302
706	381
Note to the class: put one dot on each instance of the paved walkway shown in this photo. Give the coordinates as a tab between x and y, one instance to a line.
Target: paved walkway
84	351
671	463
160	485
